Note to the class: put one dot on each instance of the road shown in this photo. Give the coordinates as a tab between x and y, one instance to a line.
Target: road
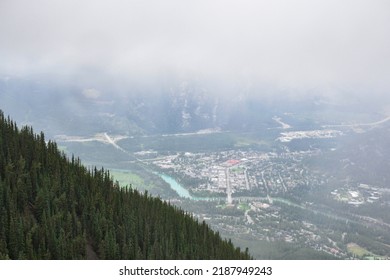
360	124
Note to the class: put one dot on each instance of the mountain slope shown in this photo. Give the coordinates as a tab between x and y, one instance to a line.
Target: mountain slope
181	108
54	208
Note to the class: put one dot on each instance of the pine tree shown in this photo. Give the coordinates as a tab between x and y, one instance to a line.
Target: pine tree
55	208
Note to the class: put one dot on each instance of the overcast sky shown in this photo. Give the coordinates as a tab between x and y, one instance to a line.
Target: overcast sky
298	44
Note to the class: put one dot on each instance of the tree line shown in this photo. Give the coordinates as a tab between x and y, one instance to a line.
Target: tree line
53	207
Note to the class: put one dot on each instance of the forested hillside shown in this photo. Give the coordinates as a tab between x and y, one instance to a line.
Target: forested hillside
52	207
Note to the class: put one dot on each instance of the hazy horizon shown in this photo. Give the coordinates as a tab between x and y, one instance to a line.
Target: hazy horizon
329	48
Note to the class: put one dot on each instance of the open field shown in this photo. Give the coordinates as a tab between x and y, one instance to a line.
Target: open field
127	178
361	252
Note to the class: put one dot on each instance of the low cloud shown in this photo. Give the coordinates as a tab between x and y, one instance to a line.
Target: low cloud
290	45
91	93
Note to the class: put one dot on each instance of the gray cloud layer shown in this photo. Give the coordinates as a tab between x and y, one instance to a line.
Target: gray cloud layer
298	44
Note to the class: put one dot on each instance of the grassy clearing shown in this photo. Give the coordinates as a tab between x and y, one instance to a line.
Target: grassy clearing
224	206
127	178
242	142
357	250
361	252
244	206
237	169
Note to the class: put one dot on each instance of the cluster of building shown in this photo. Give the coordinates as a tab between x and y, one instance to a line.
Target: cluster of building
240	172
324	133
257	179
358	194
266	221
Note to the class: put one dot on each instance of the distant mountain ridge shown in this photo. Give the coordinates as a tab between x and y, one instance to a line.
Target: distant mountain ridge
181	108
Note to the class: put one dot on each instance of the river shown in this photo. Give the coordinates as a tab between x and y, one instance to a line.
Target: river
181	191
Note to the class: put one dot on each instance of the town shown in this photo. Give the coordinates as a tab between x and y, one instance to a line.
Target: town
240	171
248	194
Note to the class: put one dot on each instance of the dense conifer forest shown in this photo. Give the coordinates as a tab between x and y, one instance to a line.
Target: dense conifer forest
53	207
